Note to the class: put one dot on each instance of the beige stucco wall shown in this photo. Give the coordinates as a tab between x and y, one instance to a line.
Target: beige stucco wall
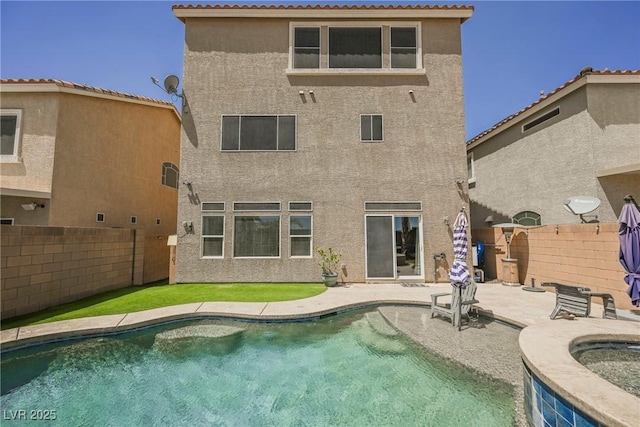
37	141
95	154
597	128
236	66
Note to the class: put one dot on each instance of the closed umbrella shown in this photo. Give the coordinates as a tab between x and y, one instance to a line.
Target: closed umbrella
459	273
630	247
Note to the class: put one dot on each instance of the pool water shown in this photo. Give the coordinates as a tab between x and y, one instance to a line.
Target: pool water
338	371
616	362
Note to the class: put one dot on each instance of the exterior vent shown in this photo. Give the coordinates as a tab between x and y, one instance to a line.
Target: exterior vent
541	119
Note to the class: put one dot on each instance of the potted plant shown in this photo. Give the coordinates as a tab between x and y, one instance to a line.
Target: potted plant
329	262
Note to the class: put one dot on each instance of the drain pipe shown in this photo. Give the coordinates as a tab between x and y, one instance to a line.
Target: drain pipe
437	257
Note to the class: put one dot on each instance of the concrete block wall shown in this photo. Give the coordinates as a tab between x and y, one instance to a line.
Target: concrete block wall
575	254
47	266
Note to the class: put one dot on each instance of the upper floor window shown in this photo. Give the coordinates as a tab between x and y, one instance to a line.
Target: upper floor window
10	134
375	46
527	218
306	47
404	47
358	47
259	133
170	175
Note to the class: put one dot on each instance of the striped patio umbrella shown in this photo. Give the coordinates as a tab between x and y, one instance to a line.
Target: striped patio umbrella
459	273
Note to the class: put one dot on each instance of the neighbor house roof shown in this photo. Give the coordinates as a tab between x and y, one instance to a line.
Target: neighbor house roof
54	85
587	75
388	10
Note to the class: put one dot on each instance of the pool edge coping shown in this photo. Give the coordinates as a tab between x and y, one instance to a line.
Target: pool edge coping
546	350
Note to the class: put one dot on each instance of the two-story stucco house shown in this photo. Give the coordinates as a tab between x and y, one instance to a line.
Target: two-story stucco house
320	126
78	156
582	139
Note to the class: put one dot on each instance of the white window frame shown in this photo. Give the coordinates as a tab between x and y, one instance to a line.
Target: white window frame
202	208
471	163
301	210
13	158
10	220
239	150
267	214
386	54
371	130
134	219
292	236
293	46
418	58
203	236
104	217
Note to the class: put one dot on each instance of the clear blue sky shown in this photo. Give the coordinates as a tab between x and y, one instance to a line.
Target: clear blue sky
511	50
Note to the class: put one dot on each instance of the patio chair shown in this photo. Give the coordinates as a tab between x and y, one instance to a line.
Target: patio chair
574	300
608	304
450	310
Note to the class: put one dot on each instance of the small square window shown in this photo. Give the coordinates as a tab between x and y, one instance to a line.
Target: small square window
157	221
99	217
134	220
371	128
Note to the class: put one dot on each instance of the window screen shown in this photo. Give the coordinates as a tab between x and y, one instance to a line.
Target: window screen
371	128
259	133
403	47
256	206
355	47
212	236
393	206
256	236
306	47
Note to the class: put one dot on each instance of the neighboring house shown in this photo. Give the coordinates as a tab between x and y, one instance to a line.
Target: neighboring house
79	156
582	139
332	126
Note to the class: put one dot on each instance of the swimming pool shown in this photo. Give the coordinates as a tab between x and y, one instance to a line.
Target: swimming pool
342	370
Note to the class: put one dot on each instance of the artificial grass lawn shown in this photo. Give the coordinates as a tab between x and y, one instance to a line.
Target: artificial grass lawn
139	298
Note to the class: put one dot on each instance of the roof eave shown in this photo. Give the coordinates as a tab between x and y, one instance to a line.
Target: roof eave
324	13
546	101
52	86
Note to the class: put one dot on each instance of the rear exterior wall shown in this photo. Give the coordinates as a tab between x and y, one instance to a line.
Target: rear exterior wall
238	66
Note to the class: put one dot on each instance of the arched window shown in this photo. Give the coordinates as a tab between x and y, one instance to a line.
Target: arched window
527	218
170	175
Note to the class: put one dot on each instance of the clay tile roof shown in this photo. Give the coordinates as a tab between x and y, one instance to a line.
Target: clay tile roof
71	85
337	6
585	72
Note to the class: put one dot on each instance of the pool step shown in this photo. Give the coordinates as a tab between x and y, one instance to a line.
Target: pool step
380	324
369	337
212	339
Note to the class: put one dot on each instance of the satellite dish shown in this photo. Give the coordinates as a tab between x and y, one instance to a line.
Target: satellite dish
581	205
171	83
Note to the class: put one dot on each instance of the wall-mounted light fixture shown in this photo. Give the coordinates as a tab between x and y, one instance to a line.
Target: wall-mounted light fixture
32	206
459	181
489	220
